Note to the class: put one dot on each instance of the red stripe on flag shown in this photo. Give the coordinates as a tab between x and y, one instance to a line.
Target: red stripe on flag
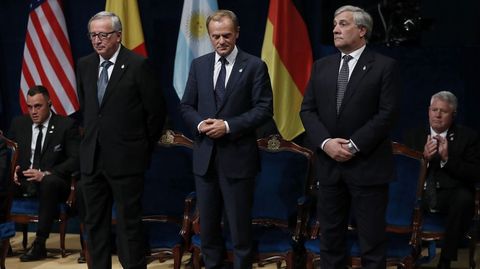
54	61
290	38
43	76
140	49
57	29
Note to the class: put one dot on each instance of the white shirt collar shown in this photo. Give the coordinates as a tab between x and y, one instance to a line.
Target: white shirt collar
45	123
356	53
113	59
230	57
433	133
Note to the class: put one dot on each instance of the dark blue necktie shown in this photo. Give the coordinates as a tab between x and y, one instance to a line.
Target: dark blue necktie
342	81
220	85
103	80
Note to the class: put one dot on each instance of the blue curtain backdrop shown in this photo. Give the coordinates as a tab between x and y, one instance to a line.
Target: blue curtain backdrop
445	58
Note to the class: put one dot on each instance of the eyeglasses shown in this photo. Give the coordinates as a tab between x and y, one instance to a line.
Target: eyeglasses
100	35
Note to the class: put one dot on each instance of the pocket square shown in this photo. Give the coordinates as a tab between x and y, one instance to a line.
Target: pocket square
57	148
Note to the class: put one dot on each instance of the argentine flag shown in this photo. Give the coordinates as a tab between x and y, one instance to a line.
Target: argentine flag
193	40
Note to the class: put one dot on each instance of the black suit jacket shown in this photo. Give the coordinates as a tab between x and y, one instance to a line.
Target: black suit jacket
128	122
247	104
366	116
463	165
60	148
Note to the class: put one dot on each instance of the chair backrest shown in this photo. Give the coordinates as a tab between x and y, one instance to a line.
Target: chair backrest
405	192
169	178
284	177
6	187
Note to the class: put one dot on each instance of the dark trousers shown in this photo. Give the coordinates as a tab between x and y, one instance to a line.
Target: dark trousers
52	190
457	204
99	191
367	204
234	197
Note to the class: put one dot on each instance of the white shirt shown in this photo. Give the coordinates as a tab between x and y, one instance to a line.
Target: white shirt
228	66
35	132
355	57
113	59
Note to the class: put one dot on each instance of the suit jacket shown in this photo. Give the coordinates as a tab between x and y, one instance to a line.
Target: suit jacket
463	162
128	122
247	104
366	116
59	151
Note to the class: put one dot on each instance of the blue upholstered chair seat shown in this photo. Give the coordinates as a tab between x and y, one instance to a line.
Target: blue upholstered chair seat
433	222
30	206
7	230
162	234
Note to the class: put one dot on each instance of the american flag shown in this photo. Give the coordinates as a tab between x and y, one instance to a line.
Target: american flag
47	58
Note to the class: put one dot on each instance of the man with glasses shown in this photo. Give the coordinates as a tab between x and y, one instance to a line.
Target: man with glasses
123	115
48	155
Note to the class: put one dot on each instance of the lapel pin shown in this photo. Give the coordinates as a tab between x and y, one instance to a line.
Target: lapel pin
51	131
53	127
364	67
123	66
240	70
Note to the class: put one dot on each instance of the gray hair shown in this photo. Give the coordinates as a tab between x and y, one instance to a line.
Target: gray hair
360	17
448	97
116	23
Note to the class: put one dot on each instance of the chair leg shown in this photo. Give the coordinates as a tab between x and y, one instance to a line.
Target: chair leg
25	236
309	261
196	258
177	257
62	227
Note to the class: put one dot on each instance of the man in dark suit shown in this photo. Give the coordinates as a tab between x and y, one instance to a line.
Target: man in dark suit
227	96
48	155
348	111
453	155
123	115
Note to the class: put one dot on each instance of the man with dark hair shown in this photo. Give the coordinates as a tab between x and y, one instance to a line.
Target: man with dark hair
453	155
48	155
227	96
123	114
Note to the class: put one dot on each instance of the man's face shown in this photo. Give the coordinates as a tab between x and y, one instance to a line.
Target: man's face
106	41
347	36
440	115
223	36
38	108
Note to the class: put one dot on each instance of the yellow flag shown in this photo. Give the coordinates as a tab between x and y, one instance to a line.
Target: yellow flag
132	31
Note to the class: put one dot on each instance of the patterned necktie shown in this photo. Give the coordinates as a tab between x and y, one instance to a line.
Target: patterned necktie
220	85
38	148
342	80
430	194
103	80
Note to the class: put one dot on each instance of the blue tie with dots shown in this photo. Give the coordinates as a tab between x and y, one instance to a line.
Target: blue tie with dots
103	80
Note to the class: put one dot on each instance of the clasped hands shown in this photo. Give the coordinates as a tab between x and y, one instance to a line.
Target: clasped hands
31	175
337	149
434	145
213	128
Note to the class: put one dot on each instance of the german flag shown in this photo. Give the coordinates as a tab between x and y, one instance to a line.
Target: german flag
132	33
288	54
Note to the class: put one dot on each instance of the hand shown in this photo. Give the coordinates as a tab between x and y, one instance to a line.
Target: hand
213	128
337	149
430	148
34	175
15	175
442	147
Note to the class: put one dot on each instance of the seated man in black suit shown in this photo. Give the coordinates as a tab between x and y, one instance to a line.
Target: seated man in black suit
453	156
48	154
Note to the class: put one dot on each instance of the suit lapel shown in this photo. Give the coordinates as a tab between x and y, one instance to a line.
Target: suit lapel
362	67
237	71
49	133
117	72
331	82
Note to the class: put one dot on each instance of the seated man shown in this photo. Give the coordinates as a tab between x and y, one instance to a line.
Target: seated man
48	154
453	156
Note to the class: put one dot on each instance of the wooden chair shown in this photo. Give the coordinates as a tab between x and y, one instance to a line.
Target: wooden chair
285	174
403	215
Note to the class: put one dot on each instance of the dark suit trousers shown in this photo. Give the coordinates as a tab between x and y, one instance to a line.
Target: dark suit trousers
367	205
99	192
458	205
234	197
52	191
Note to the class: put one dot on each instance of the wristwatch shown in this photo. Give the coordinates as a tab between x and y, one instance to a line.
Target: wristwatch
351	148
